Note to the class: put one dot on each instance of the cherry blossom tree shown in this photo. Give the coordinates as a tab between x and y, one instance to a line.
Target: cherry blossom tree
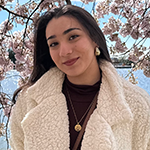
129	19
121	21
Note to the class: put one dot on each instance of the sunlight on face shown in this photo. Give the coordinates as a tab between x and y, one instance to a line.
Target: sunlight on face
71	49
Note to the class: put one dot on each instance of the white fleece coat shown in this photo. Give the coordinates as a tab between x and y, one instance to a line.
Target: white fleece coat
121	121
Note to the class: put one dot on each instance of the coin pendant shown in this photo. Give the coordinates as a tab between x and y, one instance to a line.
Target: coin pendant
78	127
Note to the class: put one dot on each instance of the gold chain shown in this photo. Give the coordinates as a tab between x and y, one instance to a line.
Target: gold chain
78	127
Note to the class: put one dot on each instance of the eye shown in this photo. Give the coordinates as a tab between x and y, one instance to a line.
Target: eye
73	37
54	44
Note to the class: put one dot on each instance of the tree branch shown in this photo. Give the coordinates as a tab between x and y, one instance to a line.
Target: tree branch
14	13
29	19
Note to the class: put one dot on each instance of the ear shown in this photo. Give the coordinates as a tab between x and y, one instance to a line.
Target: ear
95	45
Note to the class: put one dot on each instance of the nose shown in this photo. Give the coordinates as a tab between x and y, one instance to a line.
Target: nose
65	49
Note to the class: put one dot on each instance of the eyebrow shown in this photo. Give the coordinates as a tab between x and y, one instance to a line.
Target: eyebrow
65	32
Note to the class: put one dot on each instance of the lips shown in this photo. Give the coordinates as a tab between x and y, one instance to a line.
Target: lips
70	62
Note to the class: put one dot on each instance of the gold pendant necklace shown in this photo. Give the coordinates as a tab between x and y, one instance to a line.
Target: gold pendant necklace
77	127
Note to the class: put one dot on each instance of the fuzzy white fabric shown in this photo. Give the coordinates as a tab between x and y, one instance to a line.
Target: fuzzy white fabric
121	121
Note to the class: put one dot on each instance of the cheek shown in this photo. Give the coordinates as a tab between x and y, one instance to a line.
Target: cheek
54	56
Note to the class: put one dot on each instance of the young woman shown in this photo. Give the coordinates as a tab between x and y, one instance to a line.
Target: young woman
75	99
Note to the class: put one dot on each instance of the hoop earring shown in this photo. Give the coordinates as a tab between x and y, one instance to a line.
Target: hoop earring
97	51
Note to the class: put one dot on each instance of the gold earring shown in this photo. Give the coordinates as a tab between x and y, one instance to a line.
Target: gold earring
97	51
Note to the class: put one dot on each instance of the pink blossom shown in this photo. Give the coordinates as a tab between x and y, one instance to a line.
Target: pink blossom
132	79
7	110
144	48
19	66
19	21
29	45
15	44
140	7
2	130
145	63
35	16
129	1
112	26
4	100
18	50
20	57
9	66
114	37
31	37
146	72
135	21
126	29
21	82
21	10
10	44
2	73
133	57
2	61
118	2
102	9
106	30
120	47
137	51
32	5
135	34
2	77
28	71
6	26
147	34
86	1
145	24
2	2
114	8
46	4
29	67
29	61
128	11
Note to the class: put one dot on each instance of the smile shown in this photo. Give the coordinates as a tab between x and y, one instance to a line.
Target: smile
71	61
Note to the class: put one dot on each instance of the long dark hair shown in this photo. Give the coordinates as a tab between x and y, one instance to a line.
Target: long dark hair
42	59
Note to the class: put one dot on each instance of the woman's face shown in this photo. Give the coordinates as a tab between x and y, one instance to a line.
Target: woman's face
71	49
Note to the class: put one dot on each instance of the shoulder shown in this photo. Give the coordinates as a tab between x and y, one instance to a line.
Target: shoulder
19	109
49	84
136	99
139	102
52	77
136	96
21	96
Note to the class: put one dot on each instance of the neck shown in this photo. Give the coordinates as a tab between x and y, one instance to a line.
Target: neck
86	78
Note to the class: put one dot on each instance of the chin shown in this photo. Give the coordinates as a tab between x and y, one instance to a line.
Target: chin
72	74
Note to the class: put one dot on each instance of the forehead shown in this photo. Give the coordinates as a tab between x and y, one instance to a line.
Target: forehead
59	25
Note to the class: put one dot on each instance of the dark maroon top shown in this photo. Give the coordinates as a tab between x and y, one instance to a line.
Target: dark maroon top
81	97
